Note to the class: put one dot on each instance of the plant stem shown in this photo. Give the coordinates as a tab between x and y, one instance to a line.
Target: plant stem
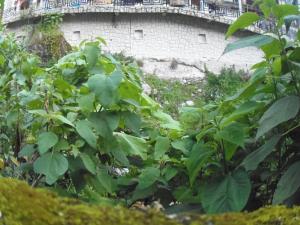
289	130
36	181
294	79
273	80
225	166
275	87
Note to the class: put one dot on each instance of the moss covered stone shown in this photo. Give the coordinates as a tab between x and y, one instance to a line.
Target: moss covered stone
50	45
23	205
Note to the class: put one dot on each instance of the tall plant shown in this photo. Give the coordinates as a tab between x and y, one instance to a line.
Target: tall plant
259	124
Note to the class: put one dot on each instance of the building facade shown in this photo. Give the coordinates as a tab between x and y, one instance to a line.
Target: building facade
158	32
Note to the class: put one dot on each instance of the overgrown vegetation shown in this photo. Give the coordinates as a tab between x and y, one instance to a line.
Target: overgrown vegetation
218	86
175	94
85	128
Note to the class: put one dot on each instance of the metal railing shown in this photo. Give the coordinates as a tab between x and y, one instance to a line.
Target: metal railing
50	5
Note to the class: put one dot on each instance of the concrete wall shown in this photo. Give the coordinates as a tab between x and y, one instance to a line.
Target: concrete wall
160	37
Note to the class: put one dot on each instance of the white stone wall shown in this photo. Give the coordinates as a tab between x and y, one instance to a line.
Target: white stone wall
162	37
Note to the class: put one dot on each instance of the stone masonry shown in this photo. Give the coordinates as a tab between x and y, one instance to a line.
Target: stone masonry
158	38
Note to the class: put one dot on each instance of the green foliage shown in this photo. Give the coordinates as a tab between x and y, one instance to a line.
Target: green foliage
52	165
197	159
173	94
227	194
75	116
280	111
245	20
288	184
256	157
252	41
217	86
46	141
50	22
256	129
85	126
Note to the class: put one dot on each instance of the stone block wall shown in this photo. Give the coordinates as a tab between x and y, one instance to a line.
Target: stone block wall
192	40
158	36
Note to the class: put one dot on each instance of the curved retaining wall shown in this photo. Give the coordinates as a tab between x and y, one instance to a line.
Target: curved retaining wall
157	39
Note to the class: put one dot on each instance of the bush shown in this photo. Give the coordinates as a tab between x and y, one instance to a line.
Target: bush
216	87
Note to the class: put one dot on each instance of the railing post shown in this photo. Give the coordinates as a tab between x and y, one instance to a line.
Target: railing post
240	7
202	5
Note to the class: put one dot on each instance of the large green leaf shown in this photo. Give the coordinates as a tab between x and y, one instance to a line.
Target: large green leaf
91	52
105	87
130	92
132	145
88	163
166	120
288	184
197	160
244	109
62	119
148	177
266	6
184	145
233	133
277	66
162	145
169	172
52	165
83	127
106	181
132	121
230	149
272	49
27	150
295	55
46	141
252	41
105	122
249	90
86	102
255	158
282	110
245	20
230	193
280	11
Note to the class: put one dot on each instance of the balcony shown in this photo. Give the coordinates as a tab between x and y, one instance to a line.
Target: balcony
222	11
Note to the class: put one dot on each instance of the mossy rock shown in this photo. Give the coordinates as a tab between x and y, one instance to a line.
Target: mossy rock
22	205
48	45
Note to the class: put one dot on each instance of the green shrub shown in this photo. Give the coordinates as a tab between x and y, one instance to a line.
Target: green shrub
216	87
85	128
172	94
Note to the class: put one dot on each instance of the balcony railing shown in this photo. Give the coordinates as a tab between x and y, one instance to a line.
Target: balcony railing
23	8
226	12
